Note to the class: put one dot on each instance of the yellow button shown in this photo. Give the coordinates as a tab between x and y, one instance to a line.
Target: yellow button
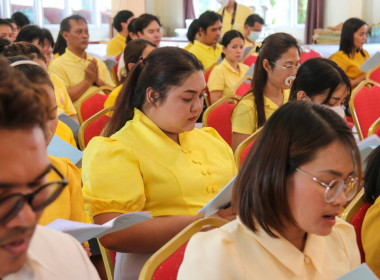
209	189
186	151
204	172
306	259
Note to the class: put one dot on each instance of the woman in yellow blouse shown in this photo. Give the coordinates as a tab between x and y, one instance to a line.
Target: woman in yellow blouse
225	77
153	159
275	68
351	53
288	194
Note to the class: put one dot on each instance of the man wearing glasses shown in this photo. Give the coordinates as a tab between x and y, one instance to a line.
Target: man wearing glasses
27	250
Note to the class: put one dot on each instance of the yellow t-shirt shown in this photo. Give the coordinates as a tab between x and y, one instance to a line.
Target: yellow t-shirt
111	99
242	12
371	237
244	116
71	69
142	169
64	102
207	55
65	133
188	46
350	65
69	205
224	77
116	45
235	252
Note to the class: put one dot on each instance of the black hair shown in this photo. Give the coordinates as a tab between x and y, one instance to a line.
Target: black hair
20	19
46	34
4	42
319	76
29	34
372	177
6	22
192	30
122	16
65	26
134	49
143	21
346	44
131	29
207	19
272	48
162	69
252	19
229	36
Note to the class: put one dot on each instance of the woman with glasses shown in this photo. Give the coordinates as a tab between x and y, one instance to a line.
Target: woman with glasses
322	81
275	69
153	159
300	172
351	54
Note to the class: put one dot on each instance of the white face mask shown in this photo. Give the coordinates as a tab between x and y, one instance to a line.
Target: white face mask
254	35
223	2
339	110
289	80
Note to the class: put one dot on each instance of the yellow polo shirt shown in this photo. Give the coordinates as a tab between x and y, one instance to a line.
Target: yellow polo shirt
188	46
71	69
140	168
242	12
111	99
69	205
207	55
244	116
63	99
371	237
235	252
116	45
224	77
350	65
65	133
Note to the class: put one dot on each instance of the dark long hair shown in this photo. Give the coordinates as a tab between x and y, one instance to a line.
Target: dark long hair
162	69
372	177
273	47
346	44
318	75
291	137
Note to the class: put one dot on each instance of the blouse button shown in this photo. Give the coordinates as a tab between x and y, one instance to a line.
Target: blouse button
209	189
306	259
204	172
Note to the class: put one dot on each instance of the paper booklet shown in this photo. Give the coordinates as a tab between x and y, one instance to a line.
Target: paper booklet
371	62
366	146
220	201
361	272
83	232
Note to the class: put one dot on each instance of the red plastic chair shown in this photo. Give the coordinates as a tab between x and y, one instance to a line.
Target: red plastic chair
244	87
250	59
93	127
308	53
218	116
357	222
91	105
365	106
374	74
244	147
165	263
375	128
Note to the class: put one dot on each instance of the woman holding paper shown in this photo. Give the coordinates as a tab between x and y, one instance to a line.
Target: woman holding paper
351	54
153	159
288	194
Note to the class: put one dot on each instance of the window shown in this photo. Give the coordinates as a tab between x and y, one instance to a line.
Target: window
24	6
53	11
83	8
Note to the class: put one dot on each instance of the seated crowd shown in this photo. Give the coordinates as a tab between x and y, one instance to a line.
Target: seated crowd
302	171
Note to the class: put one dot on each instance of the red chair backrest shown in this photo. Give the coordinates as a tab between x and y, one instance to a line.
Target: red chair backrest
169	268
367	107
308	54
357	222
245	152
377	132
95	128
249	60
92	105
220	119
243	88
375	75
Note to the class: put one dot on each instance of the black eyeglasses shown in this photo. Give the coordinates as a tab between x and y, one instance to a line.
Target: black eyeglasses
11	205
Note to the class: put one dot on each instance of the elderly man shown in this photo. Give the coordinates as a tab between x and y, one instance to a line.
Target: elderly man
27	250
81	73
